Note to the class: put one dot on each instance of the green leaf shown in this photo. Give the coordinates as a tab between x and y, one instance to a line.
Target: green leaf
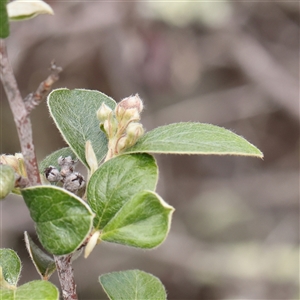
116	181
63	220
144	222
7	180
74	113
133	285
43	263
34	290
11	266
194	138
51	160
4	24
19	10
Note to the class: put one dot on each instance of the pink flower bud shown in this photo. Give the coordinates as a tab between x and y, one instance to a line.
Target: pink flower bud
129	109
132	102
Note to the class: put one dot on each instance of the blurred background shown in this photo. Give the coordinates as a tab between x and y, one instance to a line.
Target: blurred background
235	231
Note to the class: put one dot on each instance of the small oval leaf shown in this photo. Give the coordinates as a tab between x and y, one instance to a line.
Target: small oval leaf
34	290
37	290
133	285
63	220
143	221
20	10
7	180
75	115
194	138
116	181
11	266
43	263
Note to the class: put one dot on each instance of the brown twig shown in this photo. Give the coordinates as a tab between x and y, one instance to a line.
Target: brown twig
66	276
21	117
34	99
20	112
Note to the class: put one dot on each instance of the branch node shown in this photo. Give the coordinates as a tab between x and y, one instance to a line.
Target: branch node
34	99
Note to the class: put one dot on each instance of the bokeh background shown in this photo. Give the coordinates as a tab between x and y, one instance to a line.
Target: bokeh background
235	231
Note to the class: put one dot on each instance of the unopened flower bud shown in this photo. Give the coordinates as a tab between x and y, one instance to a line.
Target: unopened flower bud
122	144
16	162
74	182
110	126
52	174
67	165
134	130
66	161
129	108
7	180
103	112
90	157
91	243
22	168
132	102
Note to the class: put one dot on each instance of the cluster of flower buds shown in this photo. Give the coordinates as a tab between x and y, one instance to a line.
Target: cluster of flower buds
18	164
72	181
121	125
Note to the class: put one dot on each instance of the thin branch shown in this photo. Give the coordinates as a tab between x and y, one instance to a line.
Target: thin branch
66	276
21	110
34	99
21	117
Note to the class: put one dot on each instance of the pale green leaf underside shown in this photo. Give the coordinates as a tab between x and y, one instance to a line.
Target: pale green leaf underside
11	266
116	181
74	113
133	285
34	290
143	221
43	263
63	220
194	138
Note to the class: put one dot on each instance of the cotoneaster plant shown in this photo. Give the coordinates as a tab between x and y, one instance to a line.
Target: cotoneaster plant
116	202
